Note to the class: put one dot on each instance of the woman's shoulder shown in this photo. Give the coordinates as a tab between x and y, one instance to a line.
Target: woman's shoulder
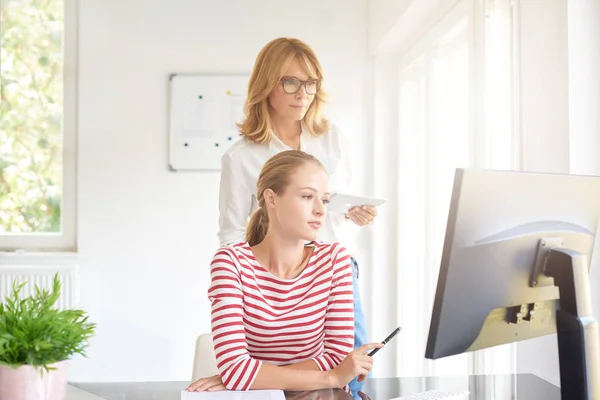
245	155
335	250
242	146
232	254
334	139
332	132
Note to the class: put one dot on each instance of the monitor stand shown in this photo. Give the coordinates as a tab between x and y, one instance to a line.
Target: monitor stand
576	327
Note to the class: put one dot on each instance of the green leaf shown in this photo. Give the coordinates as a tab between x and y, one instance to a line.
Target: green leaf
44	61
34	332
43	143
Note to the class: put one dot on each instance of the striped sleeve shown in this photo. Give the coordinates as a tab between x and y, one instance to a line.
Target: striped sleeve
237	369
339	317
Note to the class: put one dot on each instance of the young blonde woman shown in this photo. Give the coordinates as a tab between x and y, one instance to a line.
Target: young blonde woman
281	309
283	111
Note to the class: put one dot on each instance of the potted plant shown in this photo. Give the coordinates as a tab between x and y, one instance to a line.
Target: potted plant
36	341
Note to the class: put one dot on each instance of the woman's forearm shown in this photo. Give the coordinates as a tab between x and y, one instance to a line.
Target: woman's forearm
308	365
287	378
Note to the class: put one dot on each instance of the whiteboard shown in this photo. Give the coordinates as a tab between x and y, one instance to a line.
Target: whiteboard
203	112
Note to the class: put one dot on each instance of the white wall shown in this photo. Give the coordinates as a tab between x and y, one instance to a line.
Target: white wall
395	25
584	87
544	84
383	16
146	235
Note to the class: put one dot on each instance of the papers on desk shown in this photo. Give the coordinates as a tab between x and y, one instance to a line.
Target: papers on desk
234	395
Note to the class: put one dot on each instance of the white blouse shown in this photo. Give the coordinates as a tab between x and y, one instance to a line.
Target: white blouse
241	166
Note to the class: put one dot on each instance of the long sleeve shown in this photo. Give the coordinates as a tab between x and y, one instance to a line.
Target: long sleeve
339	317
235	202
237	369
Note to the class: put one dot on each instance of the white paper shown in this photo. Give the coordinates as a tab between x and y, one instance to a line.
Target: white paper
234	395
200	119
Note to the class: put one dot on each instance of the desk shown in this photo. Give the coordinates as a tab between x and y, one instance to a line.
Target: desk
172	391
482	387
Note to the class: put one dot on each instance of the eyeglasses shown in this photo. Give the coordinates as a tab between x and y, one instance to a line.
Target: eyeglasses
291	85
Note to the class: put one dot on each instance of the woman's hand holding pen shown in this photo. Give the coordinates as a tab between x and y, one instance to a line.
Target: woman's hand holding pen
362	215
356	363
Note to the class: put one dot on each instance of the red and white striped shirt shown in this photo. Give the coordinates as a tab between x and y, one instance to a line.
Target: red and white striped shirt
258	317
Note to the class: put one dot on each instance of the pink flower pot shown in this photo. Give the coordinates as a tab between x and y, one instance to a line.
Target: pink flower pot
26	383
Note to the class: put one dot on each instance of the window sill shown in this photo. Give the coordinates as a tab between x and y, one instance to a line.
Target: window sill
38	258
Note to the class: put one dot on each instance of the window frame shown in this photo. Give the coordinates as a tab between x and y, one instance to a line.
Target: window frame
66	240
417	61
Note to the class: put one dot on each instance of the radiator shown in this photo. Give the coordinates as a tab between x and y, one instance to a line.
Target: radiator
43	277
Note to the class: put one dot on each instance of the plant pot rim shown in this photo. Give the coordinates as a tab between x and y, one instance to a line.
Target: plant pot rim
34	366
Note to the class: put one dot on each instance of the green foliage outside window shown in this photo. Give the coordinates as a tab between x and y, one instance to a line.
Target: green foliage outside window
31	115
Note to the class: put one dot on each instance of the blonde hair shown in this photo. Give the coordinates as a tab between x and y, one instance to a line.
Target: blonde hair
269	68
275	175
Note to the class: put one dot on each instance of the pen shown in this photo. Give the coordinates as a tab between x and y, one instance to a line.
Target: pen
386	340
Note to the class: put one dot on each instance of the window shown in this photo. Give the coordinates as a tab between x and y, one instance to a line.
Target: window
434	140
37	125
456	109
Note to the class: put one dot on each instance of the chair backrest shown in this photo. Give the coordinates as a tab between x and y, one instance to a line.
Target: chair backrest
205	360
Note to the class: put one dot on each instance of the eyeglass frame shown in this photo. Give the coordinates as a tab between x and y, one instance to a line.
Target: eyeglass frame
302	83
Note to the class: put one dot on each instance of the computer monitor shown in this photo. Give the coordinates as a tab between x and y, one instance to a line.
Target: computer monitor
515	266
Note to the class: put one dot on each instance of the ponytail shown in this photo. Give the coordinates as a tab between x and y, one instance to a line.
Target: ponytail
257	227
